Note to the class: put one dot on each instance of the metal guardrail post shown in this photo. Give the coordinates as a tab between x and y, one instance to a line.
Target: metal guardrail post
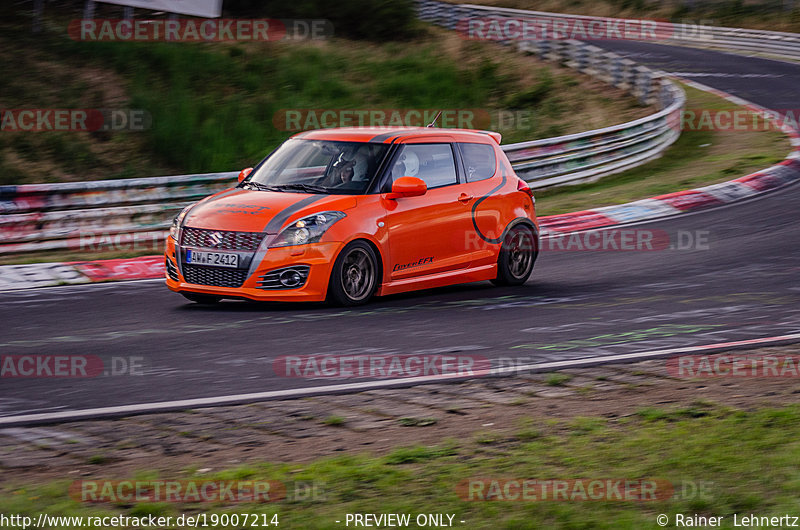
617	69
628	79
605	68
643	80
595	61
545	47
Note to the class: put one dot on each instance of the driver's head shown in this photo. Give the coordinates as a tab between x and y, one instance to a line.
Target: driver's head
410	162
343	169
346	172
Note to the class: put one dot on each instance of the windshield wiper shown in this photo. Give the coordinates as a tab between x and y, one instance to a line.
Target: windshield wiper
310	188
260	187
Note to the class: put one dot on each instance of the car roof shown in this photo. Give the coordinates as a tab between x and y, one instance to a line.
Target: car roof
398	134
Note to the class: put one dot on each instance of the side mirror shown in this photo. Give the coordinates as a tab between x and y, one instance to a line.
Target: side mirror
243	173
407	187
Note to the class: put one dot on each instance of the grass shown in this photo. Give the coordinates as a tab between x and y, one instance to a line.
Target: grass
693	453
217	106
97	459
527	434
557	379
334	421
417	422
697	158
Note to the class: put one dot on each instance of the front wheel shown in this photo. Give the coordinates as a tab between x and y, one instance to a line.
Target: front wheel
354	276
517	255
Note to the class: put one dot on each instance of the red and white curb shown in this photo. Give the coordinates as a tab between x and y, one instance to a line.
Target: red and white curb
671	204
13	277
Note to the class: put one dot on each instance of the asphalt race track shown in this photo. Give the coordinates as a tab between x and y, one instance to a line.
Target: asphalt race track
734	276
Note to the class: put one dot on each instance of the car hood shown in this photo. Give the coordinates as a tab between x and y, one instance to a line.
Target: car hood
260	211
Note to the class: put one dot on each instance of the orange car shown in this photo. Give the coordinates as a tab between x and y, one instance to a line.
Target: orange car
345	214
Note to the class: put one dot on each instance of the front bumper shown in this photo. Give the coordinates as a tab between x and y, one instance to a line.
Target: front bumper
319	257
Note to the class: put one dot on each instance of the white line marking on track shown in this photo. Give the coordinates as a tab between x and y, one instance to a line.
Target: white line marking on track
163	406
725	75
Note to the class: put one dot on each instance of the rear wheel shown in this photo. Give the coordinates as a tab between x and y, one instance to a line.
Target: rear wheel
202	298
517	255
354	276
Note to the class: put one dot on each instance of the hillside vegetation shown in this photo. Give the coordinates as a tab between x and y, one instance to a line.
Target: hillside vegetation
213	105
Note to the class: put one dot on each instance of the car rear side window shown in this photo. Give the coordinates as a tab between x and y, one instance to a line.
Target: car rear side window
433	163
479	161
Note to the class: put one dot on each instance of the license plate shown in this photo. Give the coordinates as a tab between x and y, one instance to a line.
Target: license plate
214	259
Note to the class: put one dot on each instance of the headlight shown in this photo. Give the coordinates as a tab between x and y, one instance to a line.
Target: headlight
307	230
175	229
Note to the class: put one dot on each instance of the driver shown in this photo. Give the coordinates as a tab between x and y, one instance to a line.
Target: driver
343	172
407	166
346	171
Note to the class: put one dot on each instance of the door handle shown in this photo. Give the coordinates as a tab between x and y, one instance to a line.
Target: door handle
465	198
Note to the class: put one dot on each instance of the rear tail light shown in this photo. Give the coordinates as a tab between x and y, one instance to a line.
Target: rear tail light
524	188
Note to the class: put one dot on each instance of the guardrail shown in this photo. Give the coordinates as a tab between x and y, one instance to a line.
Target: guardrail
768	43
777	44
66	216
71	216
587	156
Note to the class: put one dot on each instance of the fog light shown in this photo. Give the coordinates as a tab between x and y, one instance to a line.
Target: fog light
291	278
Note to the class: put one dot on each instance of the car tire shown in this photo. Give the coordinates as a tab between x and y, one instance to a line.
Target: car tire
517	256
207	299
354	277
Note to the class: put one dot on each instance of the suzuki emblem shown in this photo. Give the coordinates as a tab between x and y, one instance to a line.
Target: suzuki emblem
215	238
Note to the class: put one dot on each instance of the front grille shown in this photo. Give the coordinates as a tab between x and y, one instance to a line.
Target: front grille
172	271
242	241
285	278
217	277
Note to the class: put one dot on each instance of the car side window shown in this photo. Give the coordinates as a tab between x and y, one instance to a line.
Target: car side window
479	161
433	163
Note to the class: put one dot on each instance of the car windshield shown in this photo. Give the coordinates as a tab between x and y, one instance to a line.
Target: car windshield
319	166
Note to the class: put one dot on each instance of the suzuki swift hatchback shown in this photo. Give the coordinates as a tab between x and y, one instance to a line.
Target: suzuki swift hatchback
345	214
